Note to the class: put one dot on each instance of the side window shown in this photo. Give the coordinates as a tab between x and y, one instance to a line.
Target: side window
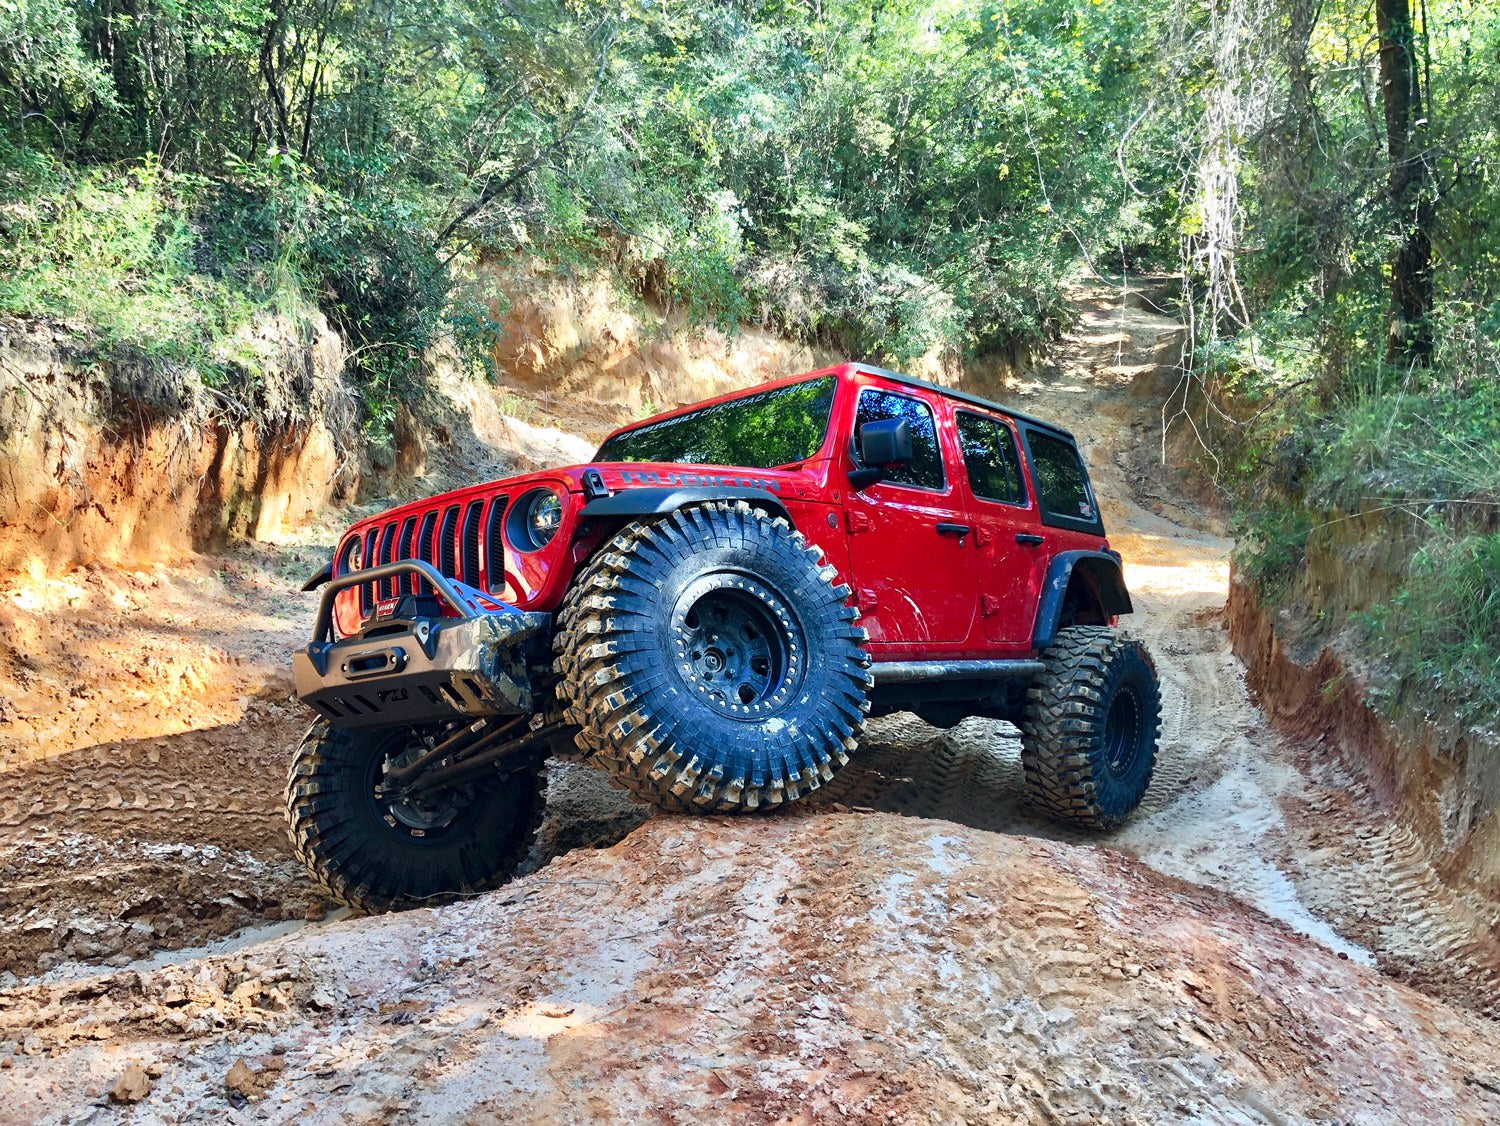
990	458
1060	479
926	468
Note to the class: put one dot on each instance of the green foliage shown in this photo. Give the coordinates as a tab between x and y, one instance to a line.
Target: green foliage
1402	447
113	252
1308	416
891	179
1441	632
42	55
1271	543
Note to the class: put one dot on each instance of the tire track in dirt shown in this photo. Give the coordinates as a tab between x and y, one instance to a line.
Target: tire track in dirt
146	721
1233	805
112	851
795	968
1376	880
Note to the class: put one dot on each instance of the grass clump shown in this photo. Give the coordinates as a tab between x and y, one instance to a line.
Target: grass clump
1441	631
1271	545
110	253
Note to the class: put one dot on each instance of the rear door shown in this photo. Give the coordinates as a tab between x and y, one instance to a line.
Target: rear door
1010	547
910	544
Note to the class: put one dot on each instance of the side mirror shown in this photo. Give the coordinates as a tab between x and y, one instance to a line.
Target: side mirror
882	444
886	442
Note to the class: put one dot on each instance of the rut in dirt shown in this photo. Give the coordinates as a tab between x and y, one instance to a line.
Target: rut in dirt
803	968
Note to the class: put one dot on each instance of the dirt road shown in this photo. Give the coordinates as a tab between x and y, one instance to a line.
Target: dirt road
805	968
1231	960
1278	824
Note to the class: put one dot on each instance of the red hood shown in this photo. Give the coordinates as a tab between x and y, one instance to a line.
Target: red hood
617	476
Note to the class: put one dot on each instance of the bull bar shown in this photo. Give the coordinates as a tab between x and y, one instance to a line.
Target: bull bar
421	667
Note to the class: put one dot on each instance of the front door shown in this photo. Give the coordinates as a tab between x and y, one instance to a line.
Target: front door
910	545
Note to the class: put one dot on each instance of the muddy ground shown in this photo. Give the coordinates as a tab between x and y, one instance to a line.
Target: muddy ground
1263	942
806	968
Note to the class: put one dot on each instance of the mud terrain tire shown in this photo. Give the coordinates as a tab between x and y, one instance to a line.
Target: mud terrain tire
712	662
1092	721
368	858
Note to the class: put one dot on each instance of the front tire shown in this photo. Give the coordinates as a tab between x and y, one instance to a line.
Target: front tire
712	662
1091	726
374	854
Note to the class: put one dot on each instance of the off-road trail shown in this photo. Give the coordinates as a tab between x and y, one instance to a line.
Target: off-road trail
1262	943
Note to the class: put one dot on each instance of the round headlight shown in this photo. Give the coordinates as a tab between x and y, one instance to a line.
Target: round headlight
354	554
535	520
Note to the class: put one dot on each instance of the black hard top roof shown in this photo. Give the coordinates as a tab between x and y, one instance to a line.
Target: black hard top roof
965	397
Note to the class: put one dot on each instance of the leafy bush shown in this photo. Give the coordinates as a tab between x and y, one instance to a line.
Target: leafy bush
1271	544
1441	632
111	252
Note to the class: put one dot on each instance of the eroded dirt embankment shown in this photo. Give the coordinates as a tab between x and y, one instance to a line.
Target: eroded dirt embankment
1437	785
1219	959
122	459
125	462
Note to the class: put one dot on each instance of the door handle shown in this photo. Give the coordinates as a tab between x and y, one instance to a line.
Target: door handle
959	530
1029	539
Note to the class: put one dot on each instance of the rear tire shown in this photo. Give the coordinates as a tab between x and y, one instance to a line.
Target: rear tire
1091	726
375	855
712	662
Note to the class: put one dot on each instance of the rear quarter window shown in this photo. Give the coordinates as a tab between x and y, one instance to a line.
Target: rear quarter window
1062	484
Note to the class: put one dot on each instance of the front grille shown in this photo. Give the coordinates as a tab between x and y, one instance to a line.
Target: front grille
494	562
388	555
448	543
408	534
366	592
469	556
424	546
464	542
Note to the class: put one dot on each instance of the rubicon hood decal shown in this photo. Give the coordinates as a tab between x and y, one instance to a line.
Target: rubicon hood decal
637	477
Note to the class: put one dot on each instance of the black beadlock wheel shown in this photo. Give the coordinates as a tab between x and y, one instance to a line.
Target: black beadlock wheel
378	853
1091	726
712	662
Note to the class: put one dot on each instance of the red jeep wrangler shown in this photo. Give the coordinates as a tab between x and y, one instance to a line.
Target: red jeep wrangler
709	610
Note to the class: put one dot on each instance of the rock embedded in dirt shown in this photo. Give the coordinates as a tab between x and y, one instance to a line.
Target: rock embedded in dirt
250	1082
133	1086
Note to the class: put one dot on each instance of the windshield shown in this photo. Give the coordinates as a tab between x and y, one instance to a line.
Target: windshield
759	431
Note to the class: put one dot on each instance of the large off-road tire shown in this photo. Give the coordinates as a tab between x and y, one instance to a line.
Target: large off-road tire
377	855
712	662
1092	721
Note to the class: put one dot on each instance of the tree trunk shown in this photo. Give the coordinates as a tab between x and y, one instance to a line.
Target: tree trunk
1410	185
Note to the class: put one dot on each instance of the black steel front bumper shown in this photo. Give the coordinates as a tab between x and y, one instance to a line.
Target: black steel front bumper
422	669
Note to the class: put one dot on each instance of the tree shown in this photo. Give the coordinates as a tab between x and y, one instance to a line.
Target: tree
1411	184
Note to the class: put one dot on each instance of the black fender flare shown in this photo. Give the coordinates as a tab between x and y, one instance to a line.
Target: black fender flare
653	500
1108	580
